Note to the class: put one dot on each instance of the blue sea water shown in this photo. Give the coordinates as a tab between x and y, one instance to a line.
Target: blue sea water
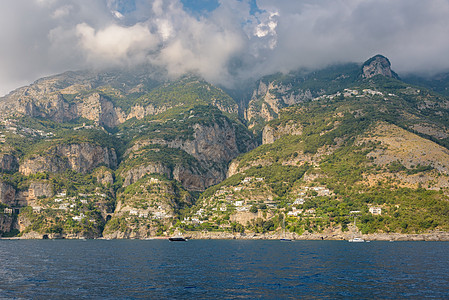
222	269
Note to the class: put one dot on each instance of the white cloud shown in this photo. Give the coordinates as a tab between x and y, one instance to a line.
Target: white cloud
229	44
115	44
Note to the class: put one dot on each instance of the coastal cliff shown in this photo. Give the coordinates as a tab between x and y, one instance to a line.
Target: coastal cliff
127	155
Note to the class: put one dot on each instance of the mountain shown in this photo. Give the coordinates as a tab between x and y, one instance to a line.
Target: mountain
82	134
438	83
381	145
125	154
277	91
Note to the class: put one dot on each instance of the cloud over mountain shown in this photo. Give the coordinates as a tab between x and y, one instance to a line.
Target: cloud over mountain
233	41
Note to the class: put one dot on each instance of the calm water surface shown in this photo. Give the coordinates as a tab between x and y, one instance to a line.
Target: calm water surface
211	269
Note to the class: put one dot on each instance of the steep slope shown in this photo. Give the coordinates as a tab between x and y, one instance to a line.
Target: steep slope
193	146
377	152
109	99
84	134
282	90
438	83
124	155
147	208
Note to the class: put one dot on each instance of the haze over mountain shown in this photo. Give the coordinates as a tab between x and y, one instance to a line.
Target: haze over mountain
226	42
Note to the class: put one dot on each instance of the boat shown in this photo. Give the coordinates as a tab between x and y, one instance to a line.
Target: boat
356	240
177	239
284	239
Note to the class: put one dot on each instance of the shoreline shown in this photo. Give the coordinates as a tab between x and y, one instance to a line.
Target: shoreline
196	235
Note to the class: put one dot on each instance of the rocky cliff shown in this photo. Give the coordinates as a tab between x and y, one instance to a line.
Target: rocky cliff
138	157
7	193
355	150
198	162
102	99
81	158
377	65
8	163
268	98
270	134
7	223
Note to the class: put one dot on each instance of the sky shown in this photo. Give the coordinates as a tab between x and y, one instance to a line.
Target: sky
225	41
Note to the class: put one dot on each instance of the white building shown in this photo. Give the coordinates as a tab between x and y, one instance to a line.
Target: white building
375	210
143	215
247	180
295	212
78	218
299	201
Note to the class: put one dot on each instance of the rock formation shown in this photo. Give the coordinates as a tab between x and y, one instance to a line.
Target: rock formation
377	65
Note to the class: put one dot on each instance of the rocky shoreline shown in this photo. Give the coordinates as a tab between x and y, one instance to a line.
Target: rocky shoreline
198	235
433	236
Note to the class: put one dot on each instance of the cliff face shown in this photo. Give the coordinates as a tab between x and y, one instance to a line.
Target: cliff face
210	150
8	163
366	143
269	98
105	100
322	159
81	158
271	134
7	193
7	223
377	65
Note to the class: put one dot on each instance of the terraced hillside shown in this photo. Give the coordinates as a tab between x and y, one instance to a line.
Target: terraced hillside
377	152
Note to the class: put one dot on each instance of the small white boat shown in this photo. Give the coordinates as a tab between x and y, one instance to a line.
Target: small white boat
356	240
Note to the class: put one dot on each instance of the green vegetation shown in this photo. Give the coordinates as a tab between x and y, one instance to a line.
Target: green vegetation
188	91
311	181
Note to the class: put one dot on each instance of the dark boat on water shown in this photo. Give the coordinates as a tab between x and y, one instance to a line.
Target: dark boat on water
177	239
285	240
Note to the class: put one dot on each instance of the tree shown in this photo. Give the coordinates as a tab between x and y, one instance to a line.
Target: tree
254	209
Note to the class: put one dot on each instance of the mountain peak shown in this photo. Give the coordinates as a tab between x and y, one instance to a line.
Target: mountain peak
377	65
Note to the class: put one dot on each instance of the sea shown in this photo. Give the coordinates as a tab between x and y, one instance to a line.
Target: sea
222	269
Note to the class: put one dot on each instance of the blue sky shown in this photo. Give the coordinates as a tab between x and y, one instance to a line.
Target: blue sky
225	41
200	6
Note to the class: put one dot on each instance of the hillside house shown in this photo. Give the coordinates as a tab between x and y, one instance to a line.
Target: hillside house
376	211
247	180
63	206
78	218
295	212
299	201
